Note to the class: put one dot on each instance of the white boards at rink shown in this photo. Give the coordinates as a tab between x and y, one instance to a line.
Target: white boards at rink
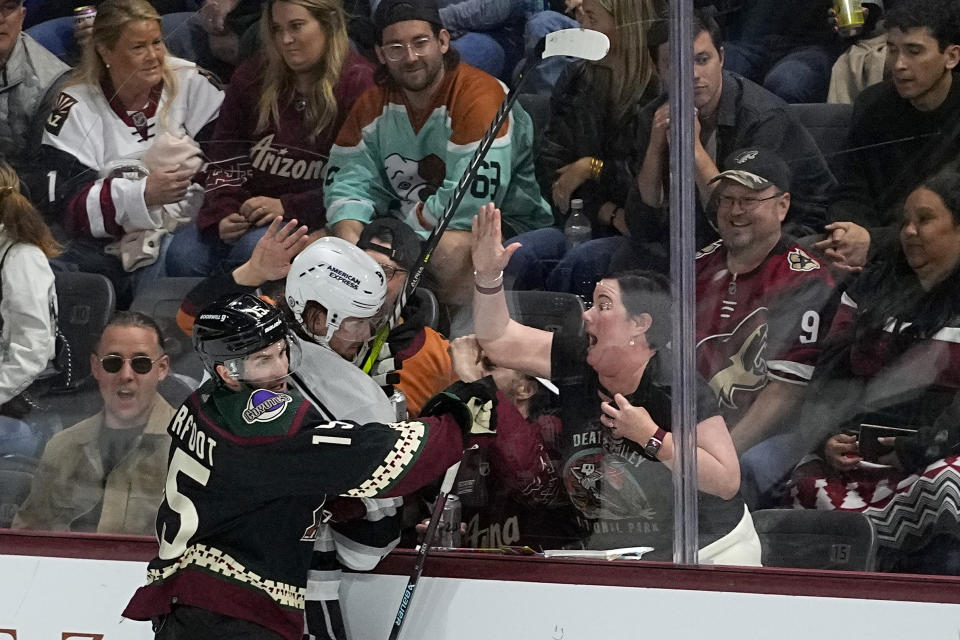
52	598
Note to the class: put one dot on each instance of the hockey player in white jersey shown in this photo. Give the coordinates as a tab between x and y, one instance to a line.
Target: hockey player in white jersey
336	292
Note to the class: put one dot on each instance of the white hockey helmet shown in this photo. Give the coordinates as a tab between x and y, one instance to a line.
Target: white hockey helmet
341	278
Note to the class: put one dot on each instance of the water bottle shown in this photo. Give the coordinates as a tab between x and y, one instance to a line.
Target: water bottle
577	230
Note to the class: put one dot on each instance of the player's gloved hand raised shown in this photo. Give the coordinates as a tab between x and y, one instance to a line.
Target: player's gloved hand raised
473	405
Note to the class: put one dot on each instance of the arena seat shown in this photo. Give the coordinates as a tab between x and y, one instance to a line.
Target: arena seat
85	301
813	539
538	106
429	306
546	310
55	35
829	125
161	302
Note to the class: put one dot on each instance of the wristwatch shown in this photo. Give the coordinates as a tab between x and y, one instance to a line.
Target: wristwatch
652	448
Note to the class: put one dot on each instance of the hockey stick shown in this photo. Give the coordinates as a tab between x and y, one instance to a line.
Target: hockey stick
578	43
445	486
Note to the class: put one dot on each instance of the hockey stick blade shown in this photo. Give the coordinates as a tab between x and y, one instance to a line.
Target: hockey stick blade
578	43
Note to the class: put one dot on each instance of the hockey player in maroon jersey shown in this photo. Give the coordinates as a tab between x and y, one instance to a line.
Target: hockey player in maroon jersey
251	468
763	305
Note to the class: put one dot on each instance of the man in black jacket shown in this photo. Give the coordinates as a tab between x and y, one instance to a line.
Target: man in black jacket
732	113
903	130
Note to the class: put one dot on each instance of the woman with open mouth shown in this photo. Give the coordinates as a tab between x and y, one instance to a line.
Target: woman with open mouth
618	452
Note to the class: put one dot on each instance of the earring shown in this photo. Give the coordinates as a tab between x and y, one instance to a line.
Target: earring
632	343
106	64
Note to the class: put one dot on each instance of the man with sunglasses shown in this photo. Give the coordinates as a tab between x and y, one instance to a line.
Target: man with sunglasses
407	142
764	303
106	473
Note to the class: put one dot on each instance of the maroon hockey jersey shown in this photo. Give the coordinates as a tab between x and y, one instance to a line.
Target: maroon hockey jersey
281	162
768	323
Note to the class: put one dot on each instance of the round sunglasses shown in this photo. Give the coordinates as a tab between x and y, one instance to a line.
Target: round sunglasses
139	364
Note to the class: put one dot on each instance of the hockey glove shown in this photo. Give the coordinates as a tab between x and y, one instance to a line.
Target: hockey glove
472	404
385	370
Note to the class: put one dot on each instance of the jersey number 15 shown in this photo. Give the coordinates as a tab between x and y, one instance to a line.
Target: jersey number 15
182	462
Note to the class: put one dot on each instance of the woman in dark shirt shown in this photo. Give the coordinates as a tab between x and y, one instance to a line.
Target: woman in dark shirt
615	409
586	146
891	359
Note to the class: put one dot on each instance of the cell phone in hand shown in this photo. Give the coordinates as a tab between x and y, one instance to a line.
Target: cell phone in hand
869	445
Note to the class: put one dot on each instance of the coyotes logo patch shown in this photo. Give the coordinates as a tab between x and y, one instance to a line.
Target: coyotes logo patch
736	360
265	406
800	261
59	114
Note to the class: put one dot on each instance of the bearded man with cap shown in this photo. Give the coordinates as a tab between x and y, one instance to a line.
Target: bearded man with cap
407	142
764	304
415	358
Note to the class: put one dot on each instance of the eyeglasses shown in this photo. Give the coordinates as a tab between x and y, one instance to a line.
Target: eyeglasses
747	204
390	271
397	52
7	8
139	364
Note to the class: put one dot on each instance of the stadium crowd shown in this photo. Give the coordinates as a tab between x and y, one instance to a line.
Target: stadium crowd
180	152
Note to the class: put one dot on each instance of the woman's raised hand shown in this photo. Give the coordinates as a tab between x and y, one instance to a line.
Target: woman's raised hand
272	254
490	257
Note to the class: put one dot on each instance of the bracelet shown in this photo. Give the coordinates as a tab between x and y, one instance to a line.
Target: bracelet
496	282
488	291
596	167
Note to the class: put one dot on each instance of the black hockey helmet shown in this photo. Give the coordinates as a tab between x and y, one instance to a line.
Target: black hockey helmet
234	327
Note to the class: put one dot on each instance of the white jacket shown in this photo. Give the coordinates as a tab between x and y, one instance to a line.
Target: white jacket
28	309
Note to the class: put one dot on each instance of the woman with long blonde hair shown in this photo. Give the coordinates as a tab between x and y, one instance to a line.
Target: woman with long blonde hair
268	155
121	141
593	100
28	309
586	144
